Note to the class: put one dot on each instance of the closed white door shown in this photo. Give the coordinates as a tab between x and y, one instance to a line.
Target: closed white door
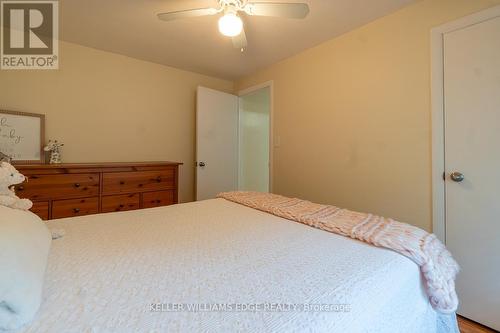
216	143
472	160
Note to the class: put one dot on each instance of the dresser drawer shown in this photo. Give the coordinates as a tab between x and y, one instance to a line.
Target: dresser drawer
157	199
138	181
45	187
67	190
74	207
41	209
116	203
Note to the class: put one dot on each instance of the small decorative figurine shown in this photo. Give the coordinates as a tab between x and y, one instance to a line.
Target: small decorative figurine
55	154
9	177
5	158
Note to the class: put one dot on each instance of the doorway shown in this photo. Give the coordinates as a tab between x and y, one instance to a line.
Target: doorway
254	140
233	141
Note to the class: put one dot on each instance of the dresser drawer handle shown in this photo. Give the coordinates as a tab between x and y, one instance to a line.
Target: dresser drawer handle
121	206
20	188
158	201
76	210
77	185
158	179
122	182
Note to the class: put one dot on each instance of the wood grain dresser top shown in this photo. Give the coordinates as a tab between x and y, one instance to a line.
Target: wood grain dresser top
95	165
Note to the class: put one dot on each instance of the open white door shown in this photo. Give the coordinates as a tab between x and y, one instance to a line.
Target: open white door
216	143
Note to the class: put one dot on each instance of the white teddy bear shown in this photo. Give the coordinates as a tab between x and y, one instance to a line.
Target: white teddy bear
9	177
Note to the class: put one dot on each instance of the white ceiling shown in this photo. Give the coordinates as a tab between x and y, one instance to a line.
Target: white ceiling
130	27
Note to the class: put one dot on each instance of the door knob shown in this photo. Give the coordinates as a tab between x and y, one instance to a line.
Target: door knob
201	164
457	176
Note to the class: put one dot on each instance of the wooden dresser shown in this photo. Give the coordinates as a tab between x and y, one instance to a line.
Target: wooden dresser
66	190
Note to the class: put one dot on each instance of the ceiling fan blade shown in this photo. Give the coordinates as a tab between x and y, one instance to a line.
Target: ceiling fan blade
170	16
288	10
240	41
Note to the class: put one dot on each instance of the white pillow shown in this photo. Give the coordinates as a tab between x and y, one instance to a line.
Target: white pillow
24	249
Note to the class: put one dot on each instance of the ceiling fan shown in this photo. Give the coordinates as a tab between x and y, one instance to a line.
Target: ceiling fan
231	24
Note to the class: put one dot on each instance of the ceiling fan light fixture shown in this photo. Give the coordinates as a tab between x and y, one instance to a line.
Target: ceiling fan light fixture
230	25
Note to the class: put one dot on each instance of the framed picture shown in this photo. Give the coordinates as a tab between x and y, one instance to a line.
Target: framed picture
22	136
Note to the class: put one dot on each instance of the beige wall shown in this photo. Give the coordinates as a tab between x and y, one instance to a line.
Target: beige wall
353	114
107	107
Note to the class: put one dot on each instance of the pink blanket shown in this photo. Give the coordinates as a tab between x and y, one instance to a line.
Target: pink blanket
438	267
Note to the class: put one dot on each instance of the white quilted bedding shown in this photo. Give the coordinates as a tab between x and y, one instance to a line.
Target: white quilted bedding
108	269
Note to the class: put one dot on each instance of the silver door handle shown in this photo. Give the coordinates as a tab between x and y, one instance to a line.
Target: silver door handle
201	164
457	176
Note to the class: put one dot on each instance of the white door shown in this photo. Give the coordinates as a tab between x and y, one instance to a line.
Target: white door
472	151
216	143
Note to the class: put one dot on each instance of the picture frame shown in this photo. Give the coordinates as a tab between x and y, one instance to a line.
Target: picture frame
22	136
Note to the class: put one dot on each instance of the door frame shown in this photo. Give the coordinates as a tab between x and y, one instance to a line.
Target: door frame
246	91
438	113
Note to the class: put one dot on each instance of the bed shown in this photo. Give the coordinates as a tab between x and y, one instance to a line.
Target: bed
243	270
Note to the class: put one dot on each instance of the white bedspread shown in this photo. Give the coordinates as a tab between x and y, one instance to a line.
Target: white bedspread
108	269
